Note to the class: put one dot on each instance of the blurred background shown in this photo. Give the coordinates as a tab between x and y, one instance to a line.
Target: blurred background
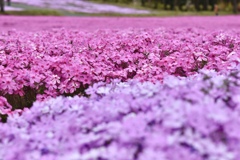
119	7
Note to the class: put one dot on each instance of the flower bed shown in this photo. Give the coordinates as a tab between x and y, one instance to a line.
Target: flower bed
195	118
39	65
131	94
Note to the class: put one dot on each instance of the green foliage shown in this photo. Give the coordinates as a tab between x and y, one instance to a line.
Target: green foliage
3	118
183	5
34	13
19	102
118	1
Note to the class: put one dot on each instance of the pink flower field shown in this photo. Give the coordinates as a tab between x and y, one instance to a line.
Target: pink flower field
119	88
80	6
93	23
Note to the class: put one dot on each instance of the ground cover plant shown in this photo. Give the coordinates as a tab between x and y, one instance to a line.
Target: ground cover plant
70	61
42	23
192	118
119	94
77	6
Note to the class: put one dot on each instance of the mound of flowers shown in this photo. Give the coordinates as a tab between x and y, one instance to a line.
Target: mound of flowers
193	118
134	94
39	65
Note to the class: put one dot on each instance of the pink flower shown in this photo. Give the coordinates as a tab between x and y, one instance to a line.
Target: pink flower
5	107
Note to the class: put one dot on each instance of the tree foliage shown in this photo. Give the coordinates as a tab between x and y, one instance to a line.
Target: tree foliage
181	4
2	3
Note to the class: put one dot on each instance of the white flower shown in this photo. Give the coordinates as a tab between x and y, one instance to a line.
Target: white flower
103	90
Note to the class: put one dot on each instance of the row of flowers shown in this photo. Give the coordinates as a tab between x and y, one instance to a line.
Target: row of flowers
192	118
39	65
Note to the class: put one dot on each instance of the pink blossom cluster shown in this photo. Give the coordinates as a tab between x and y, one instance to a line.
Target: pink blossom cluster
66	62
189	118
5	107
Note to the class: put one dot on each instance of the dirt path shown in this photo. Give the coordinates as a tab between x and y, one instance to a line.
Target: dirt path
81	6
